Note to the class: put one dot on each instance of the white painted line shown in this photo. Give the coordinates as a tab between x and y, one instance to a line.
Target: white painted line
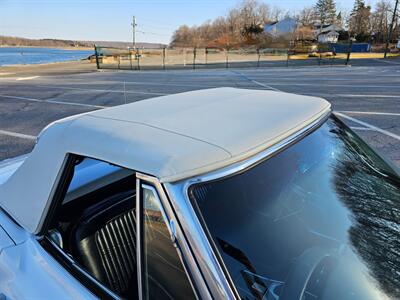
256	82
21	98
367	96
365	124
337	85
101	90
369	113
26	78
73	103
387	62
266	86
18	135
362	128
6	74
353	95
158	83
51	101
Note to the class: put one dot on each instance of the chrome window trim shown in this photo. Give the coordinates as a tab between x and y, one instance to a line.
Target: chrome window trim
212	266
177	238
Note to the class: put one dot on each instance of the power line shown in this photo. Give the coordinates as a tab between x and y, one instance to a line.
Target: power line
152	33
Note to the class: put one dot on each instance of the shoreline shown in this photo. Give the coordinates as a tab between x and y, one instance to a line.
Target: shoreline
52	47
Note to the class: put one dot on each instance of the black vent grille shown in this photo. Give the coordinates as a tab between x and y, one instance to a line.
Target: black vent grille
116	245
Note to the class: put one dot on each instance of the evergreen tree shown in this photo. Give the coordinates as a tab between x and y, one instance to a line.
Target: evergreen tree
326	11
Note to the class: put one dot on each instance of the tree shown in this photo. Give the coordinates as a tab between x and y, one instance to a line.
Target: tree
381	19
325	11
359	22
306	16
242	26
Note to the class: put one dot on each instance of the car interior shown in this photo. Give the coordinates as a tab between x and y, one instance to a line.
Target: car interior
96	224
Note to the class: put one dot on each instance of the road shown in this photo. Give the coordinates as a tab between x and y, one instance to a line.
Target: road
366	97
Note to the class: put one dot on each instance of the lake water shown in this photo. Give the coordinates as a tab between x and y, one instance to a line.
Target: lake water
18	56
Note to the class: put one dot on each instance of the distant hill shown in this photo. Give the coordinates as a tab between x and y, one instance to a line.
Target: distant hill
24	42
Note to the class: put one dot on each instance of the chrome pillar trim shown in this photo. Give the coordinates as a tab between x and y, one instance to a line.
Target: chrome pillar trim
138	240
187	257
213	268
206	260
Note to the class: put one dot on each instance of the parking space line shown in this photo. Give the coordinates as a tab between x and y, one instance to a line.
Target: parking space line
256	82
338	85
157	84
365	124
51	101
101	90
387	62
366	96
361	128
27	78
264	85
18	135
369	113
352	95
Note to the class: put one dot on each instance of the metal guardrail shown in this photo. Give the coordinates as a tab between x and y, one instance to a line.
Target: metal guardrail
201	58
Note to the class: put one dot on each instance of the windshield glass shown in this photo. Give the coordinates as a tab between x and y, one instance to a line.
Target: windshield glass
319	220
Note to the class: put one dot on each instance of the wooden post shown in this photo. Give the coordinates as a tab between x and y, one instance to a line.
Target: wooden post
138	58
130	59
97	57
163	58
349	51
287	58
194	58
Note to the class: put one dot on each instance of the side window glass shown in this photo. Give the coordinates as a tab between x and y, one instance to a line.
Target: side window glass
163	276
95	224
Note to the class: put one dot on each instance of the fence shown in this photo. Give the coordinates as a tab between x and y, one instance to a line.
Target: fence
201	58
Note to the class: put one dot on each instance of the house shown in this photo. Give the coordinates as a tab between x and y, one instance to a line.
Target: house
327	33
286	26
329	37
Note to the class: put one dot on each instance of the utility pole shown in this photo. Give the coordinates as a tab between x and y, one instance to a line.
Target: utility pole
134	32
389	37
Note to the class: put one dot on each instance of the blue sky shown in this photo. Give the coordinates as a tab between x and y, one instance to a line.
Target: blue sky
110	20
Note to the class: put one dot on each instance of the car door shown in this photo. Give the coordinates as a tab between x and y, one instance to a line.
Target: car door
110	231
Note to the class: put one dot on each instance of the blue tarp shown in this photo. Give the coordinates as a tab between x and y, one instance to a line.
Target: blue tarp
344	48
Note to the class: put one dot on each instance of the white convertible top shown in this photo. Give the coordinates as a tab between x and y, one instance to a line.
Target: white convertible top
171	137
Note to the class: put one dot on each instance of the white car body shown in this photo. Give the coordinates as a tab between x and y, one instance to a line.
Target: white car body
169	142
159	137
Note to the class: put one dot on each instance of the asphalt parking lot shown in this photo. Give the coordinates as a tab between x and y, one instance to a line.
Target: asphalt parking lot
366	97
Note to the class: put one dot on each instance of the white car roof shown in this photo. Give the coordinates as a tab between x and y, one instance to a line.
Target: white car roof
171	137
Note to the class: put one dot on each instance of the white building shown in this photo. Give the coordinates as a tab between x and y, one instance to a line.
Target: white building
328	33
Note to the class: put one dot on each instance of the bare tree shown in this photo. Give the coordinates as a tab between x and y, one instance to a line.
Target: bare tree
306	16
381	18
243	25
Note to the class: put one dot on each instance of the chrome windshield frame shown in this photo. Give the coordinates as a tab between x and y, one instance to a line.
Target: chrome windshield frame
212	266
185	254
